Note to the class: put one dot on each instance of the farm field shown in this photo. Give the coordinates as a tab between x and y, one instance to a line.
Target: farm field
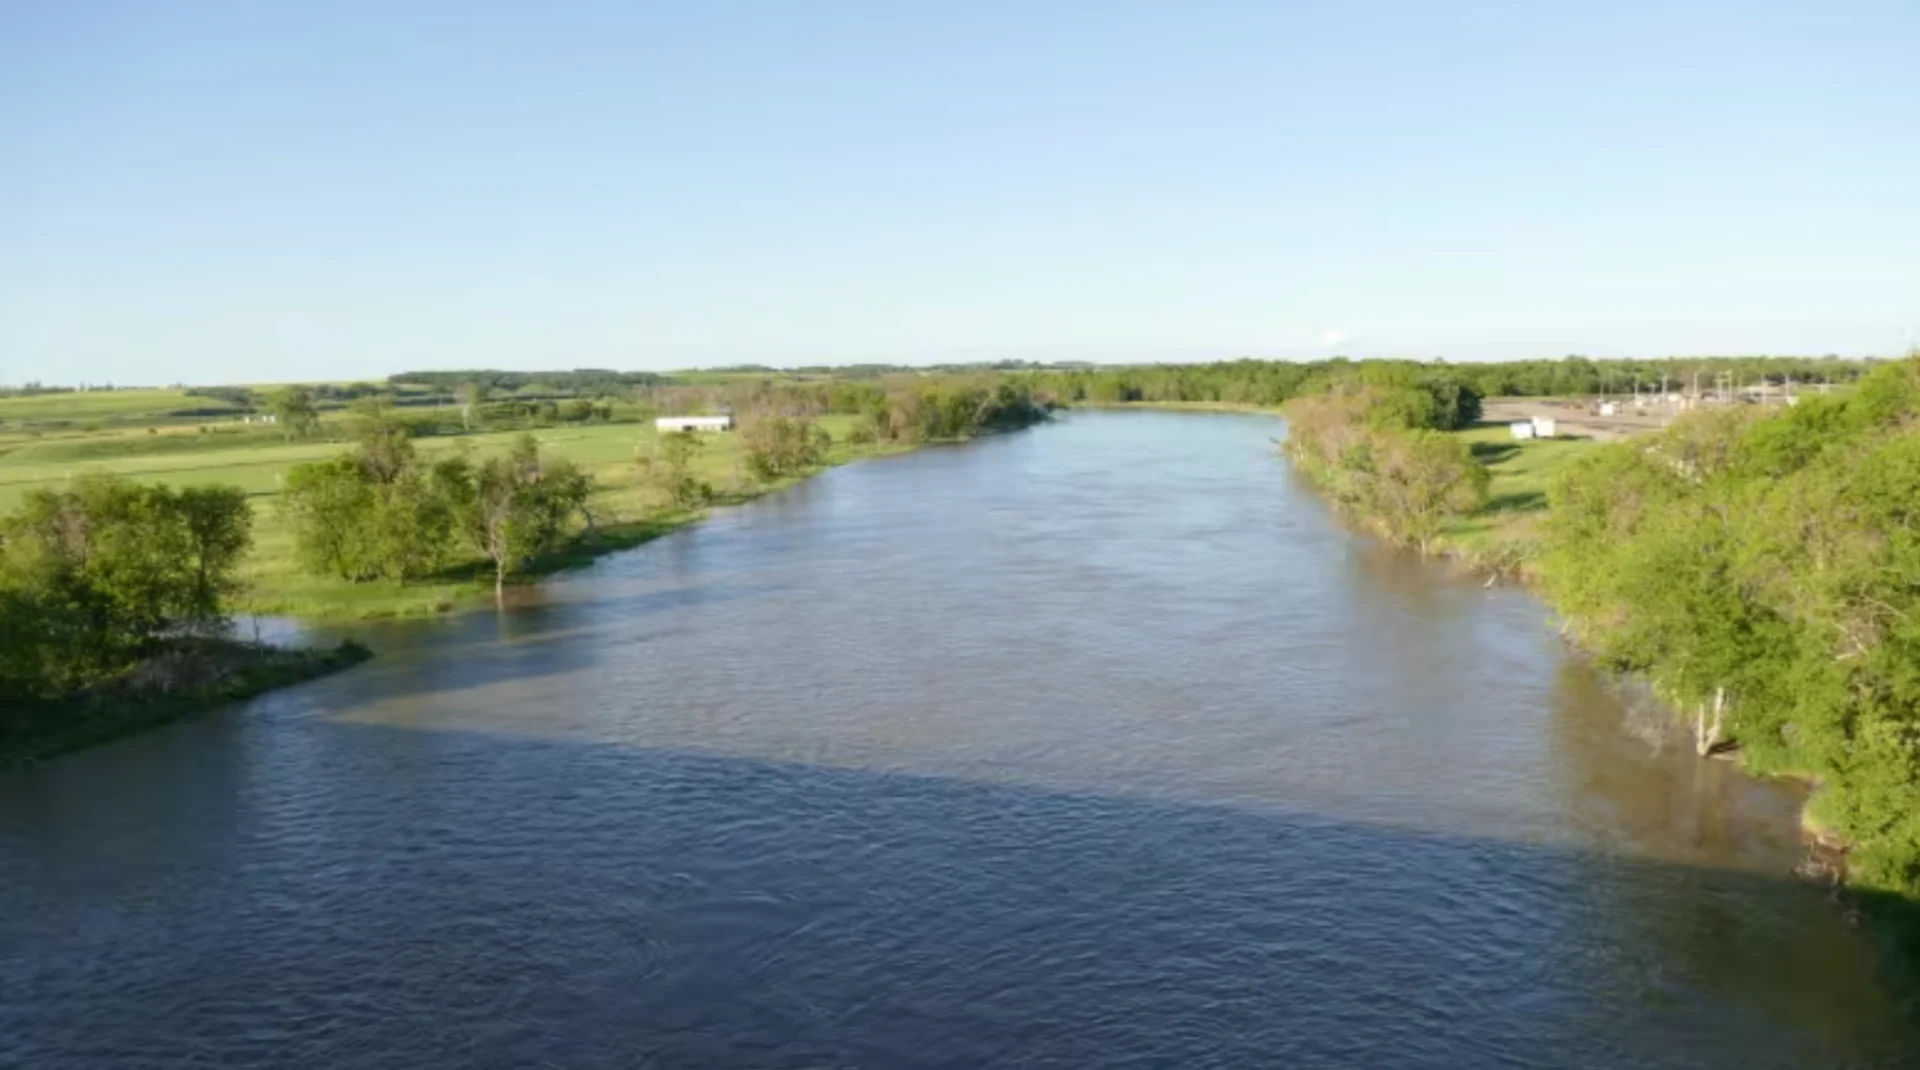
79	408
627	507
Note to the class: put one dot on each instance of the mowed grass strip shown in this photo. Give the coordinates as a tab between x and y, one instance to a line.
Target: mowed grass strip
1522	469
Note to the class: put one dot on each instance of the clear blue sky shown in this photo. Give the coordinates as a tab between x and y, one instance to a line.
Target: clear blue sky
268	191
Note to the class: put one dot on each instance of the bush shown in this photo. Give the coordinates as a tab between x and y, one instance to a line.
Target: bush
375	513
512	509
779	446
1372	448
672	469
94	576
939	411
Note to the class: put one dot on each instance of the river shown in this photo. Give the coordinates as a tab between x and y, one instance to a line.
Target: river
1101	744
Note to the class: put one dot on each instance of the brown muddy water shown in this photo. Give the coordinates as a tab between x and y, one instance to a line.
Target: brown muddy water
1096	745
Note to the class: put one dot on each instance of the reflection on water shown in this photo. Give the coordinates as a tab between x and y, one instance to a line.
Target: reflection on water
1096	745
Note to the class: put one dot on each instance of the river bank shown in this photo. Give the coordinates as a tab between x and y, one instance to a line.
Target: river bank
184	678
1499	538
629	510
189	677
1739	562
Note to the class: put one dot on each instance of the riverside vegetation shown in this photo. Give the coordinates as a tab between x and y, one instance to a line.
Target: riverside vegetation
1759	568
1763	571
113	614
370	453
384	513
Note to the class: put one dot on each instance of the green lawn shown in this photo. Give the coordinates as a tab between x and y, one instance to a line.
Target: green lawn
1517	496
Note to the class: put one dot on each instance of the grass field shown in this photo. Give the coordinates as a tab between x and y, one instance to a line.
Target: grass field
627	508
1499	534
104	406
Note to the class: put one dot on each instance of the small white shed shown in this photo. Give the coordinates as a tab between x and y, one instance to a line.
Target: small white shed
667	424
1545	427
1521	428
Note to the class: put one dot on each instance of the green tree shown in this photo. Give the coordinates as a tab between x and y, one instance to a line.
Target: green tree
386	446
472	397
1418	480
672	469
1368	441
294	410
372	514
97	575
327	504
778	446
516	508
216	528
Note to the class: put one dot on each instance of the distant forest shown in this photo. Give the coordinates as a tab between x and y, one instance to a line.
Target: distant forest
1244	381
1263	382
587	382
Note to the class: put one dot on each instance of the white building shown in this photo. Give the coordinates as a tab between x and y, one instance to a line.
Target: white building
1521	428
1545	427
668	424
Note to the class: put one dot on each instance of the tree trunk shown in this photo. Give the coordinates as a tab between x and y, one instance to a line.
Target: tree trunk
500	581
1707	736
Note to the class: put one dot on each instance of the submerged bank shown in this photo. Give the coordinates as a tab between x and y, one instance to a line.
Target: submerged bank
183	678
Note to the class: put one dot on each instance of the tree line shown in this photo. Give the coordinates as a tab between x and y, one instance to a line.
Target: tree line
1375	440
1272	383
900	408
780	435
1763	570
927	412
580	382
297	412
